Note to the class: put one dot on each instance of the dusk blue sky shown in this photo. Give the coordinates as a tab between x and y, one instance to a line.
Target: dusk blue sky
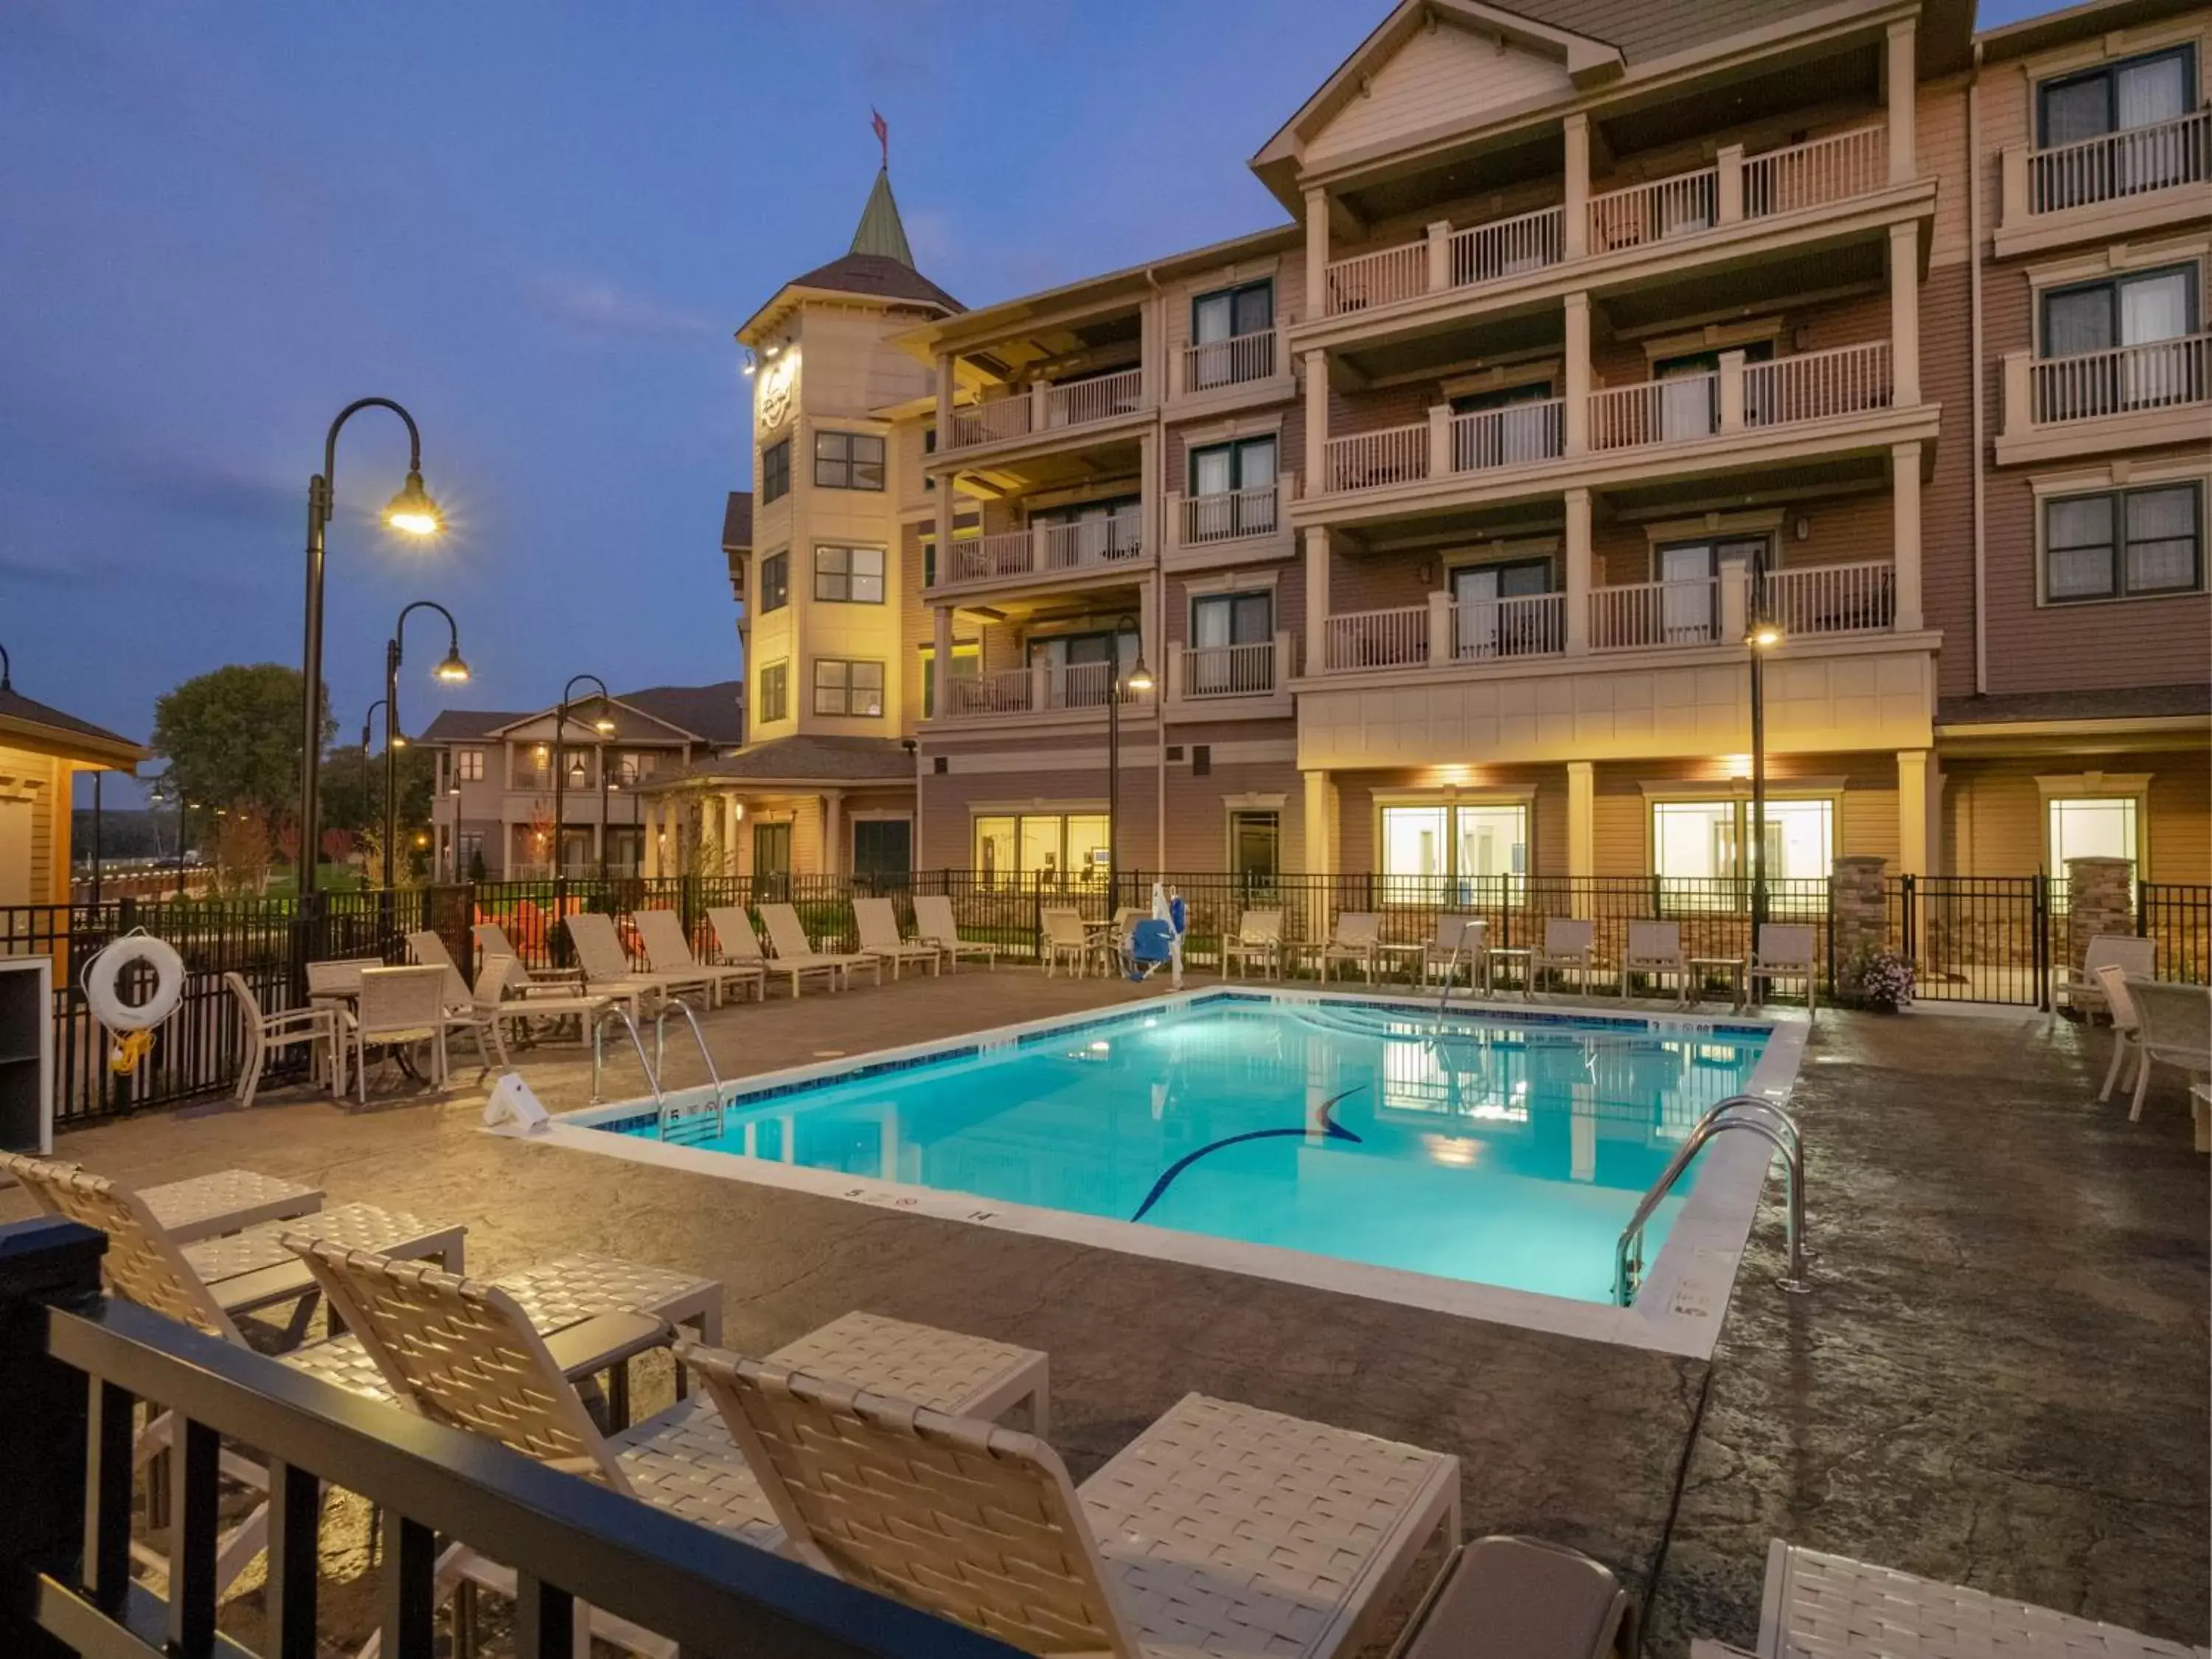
537	225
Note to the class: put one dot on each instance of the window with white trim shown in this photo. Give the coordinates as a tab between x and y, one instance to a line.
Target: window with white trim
850	576
2124	543
848	686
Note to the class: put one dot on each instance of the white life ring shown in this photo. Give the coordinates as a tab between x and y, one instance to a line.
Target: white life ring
103	973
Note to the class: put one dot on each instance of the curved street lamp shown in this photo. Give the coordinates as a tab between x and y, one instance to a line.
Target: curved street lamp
603	725
1761	634
452	671
410	512
1140	680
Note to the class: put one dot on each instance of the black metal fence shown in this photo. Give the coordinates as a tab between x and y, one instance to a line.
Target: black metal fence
74	1364
1971	937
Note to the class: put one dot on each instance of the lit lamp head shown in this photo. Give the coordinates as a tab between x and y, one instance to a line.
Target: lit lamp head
412	510
1139	676
604	725
452	670
398	740
1763	637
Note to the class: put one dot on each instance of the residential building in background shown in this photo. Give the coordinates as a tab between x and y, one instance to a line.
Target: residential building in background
41	751
1438	516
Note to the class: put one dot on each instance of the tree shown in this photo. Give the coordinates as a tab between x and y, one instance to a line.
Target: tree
229	736
347	805
243	847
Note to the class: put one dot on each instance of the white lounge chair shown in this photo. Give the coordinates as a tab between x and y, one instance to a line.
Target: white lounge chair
667	951
429	950
2136	958
786	936
1569	946
878	922
735	942
1258	933
2173	1028
1358	934
1786	952
1221	1529
933	925
494	1006
608	970
1655	948
318	1025
1066	940
399	1007
492	941
2127	1030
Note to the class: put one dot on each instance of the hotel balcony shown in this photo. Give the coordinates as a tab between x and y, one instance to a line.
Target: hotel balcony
1237	527
2136	397
1829	190
1838	402
1215	375
1047	410
1048	556
2108	188
1233	682
1040	695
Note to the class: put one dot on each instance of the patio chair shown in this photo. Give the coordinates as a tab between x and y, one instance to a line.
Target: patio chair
2173	1028
400	1006
1258	933
668	952
1655	948
787	937
1786	952
429	950
492	941
1065	940
2127	1030
493	1007
2136	958
1358	936
316	1025
1569	946
608	970
1458	938
1221	1529
879	938
736	944
1503	1597
933	925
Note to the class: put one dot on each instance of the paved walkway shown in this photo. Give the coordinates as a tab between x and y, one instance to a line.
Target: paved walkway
2002	1380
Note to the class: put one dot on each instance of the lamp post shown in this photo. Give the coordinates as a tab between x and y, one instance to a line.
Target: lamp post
412	512
1761	635
367	796
1140	679
603	725
451	671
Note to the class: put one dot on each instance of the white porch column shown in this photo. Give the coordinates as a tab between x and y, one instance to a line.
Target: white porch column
1731	390
1904	315
1579	373
648	855
1900	87
1320	824
1316	599
732	819
833	832
1574	215
1582	831
1905	533
1578	570
1316	396
1150	645
1149	520
1316	253
940	660
1913	818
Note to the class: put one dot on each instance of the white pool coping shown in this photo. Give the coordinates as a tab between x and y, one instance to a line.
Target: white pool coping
1679	1308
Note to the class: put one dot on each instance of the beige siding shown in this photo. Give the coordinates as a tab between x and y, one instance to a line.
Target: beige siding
1994	812
1439	74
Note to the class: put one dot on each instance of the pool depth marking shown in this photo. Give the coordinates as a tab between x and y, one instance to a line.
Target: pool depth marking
1329	1127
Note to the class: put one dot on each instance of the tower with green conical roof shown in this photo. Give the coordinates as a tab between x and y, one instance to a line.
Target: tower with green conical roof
880	231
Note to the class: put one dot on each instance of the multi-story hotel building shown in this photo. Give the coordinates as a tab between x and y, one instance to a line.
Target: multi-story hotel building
1438	516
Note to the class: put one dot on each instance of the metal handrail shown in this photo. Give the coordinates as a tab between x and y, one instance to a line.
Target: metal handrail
1774	1126
1451	967
615	1011
715	1077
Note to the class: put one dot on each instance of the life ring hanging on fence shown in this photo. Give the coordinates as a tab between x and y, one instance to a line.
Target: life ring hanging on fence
103	978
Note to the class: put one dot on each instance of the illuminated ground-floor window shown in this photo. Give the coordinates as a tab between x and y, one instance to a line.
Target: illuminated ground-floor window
1433	851
2092	827
1701	846
1051	845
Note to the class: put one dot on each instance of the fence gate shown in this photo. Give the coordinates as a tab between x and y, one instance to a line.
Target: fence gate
1975	939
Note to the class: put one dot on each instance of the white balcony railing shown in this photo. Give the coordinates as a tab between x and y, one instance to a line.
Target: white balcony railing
1816	386
1078	403
1505	247
1526	625
1044	550
1236	362
1369	461
1511	437
1812	174
2126	380
1646	614
1229	670
1376	639
1656	212
992	422
1833	599
1679	408
1381	278
1040	689
2116	165
1231	515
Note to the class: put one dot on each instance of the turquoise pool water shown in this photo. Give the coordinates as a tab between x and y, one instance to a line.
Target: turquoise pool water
1507	1152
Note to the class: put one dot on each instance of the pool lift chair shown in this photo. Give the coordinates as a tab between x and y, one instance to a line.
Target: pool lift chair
1147	947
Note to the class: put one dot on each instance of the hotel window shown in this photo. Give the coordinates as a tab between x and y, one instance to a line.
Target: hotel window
1090	532
1697	845
632	764
1448	854
2124	543
1081	667
775	472
775	582
967	664
2091	827
1231	490
845	686
2133	332
2136	91
850	576
1255	848
848	460
1052	846
1232	637
1232	335
775	692
1489	623
469	765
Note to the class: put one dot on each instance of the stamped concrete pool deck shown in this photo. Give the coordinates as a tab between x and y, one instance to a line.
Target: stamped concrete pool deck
2001	1379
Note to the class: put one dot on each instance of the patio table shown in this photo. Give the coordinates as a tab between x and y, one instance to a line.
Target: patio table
945	1370
1733	967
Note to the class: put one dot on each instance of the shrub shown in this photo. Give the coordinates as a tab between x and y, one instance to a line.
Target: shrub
1880	980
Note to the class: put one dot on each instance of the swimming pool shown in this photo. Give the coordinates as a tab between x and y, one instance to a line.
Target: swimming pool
1488	1163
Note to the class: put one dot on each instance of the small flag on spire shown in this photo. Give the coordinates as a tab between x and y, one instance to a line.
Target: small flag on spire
882	133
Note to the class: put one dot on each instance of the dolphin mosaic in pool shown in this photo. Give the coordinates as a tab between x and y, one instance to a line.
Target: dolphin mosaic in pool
1331	1130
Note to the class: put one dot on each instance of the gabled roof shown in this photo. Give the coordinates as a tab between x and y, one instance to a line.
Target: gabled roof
881	231
713	715
880	264
738	522
800	759
53	731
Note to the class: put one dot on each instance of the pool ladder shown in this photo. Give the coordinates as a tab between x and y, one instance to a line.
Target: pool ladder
1771	1123
1451	974
670	1120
